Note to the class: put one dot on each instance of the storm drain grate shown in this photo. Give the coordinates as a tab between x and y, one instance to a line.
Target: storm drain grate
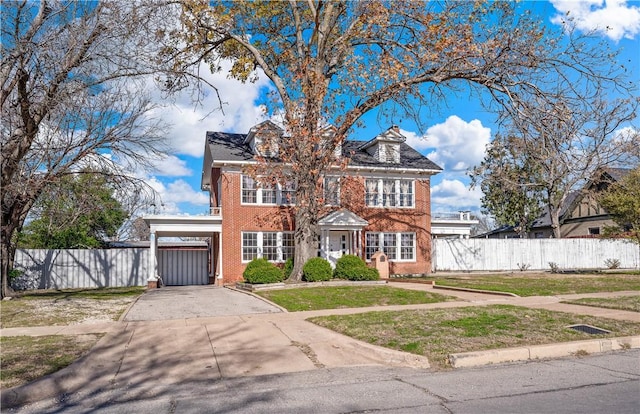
589	329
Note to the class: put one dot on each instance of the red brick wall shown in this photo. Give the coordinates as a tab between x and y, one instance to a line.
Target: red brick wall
238	218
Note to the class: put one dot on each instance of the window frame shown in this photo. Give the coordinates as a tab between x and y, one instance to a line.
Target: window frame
263	194
331	196
396	243
280	251
381	197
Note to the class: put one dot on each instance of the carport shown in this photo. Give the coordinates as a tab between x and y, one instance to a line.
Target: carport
185	226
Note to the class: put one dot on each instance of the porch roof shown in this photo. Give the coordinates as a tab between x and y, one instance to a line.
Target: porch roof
342	220
185	226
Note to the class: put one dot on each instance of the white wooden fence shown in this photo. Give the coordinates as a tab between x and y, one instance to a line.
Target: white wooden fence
93	268
510	254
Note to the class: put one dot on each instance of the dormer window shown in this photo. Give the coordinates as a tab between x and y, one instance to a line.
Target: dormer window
264	139
385	148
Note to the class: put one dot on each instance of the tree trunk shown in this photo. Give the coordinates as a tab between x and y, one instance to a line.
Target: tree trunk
8	251
554	214
306	241
306	221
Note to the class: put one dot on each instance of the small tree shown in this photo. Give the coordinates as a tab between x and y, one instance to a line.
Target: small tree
78	212
622	201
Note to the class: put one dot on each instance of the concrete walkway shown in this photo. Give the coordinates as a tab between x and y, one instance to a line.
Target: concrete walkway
208	348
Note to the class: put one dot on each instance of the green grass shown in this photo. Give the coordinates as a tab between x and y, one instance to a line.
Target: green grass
335	297
543	284
440	332
25	359
66	307
626	303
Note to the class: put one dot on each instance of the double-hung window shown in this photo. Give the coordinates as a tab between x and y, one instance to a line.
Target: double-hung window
389	193
331	191
371	192
249	246
397	246
288	193
271	245
267	193
249	190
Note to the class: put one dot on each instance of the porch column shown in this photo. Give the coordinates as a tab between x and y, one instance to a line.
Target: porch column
326	245
152	280
219	258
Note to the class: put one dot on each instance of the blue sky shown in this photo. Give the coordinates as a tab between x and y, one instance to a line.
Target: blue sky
455	138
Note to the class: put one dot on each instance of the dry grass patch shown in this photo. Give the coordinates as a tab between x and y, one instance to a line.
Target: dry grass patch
440	332
544	284
626	303
66	307
26	358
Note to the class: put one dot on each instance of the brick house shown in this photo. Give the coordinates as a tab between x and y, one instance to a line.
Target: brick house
380	201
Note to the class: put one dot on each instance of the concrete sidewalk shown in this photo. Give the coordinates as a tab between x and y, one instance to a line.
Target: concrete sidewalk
210	348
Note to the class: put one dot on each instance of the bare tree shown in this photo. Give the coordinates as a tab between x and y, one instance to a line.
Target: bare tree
74	78
335	61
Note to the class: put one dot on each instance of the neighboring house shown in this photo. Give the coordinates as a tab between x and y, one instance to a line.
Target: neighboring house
580	216
380	201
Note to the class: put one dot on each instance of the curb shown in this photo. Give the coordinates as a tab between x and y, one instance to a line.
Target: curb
528	353
250	293
488	292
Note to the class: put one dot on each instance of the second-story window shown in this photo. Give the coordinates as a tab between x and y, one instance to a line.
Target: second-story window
267	193
331	191
249	190
389	193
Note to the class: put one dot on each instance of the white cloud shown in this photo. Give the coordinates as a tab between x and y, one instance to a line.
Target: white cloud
189	122
174	193
454	195
171	166
458	144
613	18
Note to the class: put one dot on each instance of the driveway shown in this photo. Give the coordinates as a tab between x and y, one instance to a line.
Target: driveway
186	302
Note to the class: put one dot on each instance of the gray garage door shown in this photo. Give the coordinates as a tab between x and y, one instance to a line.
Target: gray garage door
183	267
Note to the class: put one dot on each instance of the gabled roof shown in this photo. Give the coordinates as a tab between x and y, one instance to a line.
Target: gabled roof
342	218
390	135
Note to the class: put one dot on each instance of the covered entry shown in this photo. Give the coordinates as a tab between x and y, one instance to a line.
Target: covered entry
340	234
167	267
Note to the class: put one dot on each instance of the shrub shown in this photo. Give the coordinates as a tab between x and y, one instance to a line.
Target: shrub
554	267
288	268
612	263
262	271
523	266
316	269
352	267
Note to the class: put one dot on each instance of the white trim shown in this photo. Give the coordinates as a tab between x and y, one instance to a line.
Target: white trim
372	169
397	192
260	245
398	247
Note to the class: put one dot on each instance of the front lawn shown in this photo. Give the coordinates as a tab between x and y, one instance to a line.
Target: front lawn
66	306
335	297
543	284
26	358
626	303
440	332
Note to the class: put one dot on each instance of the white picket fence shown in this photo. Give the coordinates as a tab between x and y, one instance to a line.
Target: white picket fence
510	254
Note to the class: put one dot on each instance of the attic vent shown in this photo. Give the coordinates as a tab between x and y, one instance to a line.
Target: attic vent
592	330
390	153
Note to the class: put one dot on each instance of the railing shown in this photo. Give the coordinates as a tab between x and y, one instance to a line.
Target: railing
216	211
460	215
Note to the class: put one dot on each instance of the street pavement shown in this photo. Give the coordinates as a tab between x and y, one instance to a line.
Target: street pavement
250	343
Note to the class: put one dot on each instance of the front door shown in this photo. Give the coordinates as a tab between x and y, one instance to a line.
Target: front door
338	246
